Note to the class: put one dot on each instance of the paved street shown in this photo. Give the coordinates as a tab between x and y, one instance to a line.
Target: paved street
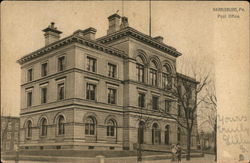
206	159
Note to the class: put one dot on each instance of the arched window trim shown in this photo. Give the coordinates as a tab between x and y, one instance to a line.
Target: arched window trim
43	127
156	134
140	69
29	129
60	125
90	126
167	77
111	128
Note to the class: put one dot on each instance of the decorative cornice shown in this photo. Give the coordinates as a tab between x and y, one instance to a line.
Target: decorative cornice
131	32
68	40
187	78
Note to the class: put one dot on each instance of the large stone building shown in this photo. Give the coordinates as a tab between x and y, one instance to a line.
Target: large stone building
9	133
84	93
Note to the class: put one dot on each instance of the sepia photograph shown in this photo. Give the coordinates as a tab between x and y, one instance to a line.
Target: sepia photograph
125	81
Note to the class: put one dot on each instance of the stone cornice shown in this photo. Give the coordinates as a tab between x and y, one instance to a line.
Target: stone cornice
72	39
131	32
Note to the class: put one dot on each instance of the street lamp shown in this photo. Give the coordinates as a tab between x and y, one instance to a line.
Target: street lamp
202	142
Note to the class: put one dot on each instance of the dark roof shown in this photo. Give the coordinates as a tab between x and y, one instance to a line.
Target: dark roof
131	32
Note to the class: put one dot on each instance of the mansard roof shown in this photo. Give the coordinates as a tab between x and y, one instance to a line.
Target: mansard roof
72	39
131	32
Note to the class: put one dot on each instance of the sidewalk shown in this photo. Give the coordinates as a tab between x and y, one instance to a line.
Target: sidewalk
206	159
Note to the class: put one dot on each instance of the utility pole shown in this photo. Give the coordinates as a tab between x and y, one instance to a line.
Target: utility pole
150	18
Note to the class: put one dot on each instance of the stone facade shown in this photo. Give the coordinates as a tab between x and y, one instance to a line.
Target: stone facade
83	93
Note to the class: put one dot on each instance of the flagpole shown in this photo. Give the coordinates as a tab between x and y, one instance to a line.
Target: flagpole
150	18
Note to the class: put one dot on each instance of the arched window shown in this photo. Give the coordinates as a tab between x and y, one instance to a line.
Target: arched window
156	134
140	69
166	77
43	127
61	122
153	74
141	132
111	128
90	126
178	134
29	129
167	133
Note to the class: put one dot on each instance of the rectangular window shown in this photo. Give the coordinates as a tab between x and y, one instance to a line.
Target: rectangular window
8	135
44	70
153	77
91	64
111	70
140	72
91	91
43	95
167	106
60	91
111	96
141	100
155	103
30	74
29	99
61	63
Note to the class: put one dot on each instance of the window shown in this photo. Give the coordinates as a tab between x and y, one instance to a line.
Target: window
90	126
44	70
43	95
179	111
10	126
29	98
60	125
60	91
155	103
167	133
153	74
156	134
43	130
178	134
141	100
61	63
167	106
111	96
140	72
91	64
166	77
111	128
111	70
30	74
8	135
29	129
153	78
91	93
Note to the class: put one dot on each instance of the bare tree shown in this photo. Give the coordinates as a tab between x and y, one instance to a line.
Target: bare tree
208	113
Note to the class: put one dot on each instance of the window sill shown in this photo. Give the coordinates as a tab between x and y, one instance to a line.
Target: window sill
61	135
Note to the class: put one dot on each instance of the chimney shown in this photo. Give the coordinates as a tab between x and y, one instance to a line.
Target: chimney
159	38
124	23
89	33
51	34
114	23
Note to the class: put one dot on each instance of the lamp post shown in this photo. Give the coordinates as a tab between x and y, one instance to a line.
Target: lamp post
202	142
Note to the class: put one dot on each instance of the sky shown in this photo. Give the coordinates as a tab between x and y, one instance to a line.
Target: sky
202	35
